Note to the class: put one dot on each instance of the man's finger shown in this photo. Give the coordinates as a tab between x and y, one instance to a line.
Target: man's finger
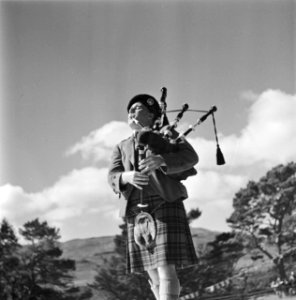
138	186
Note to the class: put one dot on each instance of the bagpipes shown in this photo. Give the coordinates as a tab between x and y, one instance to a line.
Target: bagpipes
165	139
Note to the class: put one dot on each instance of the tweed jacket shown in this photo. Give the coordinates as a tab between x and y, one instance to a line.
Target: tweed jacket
162	181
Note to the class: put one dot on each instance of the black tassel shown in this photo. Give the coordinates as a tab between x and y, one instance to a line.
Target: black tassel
220	157
219	154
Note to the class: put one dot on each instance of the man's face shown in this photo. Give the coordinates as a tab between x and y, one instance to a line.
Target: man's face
139	116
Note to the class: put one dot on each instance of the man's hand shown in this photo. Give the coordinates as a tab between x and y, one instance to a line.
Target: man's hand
151	163
135	178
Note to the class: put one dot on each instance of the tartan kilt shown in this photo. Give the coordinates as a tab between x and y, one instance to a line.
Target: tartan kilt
173	244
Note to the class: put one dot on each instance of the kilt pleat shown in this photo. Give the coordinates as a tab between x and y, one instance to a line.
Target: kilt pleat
174	243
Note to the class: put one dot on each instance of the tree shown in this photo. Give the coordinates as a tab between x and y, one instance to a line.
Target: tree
10	285
217	263
193	214
222	255
47	274
35	270
265	214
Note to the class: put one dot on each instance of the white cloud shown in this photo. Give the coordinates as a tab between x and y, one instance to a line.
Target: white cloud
213	186
270	136
212	192
98	144
77	197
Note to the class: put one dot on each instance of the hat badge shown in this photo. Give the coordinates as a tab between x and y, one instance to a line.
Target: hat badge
150	101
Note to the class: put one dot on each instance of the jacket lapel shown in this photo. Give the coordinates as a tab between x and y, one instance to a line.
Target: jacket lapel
130	151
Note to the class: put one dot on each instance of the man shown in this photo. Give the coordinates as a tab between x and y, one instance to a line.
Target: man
160	244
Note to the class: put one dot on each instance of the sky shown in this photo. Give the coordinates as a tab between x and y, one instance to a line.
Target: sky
69	68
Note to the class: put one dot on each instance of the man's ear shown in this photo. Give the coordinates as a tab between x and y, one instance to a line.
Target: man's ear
151	119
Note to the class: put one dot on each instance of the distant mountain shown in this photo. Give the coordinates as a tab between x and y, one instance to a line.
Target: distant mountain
90	253
89	248
202	236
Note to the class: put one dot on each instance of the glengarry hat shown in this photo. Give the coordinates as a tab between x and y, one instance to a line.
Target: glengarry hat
149	101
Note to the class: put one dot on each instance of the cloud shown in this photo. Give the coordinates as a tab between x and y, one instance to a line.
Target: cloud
82	196
212	192
270	135
212	186
97	145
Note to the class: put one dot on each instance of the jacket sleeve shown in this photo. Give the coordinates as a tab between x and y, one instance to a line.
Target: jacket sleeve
181	160
116	168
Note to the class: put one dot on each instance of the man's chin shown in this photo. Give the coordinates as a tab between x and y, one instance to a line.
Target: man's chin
134	126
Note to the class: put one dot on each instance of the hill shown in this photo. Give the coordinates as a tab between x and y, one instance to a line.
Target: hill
90	253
